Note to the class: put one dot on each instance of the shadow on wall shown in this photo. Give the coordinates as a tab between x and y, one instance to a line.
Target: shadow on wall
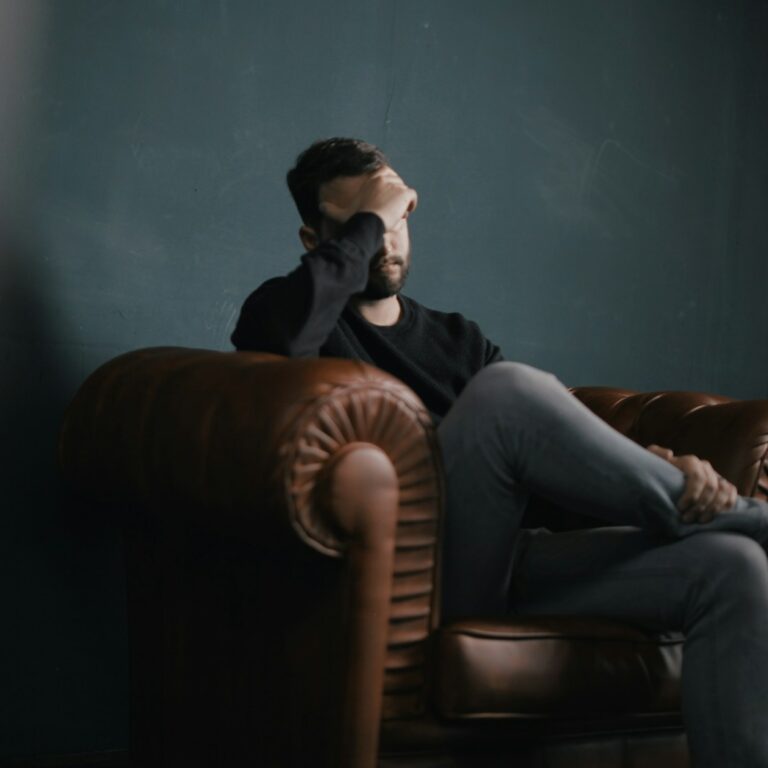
64	618
32	381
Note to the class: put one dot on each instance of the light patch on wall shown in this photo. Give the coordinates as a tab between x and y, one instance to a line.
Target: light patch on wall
22	25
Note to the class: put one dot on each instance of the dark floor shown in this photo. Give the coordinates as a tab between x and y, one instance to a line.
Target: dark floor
109	759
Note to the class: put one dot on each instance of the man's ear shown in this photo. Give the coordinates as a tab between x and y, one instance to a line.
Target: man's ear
309	238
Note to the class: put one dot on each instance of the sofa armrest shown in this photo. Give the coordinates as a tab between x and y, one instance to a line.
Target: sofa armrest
731	434
295	456
233	430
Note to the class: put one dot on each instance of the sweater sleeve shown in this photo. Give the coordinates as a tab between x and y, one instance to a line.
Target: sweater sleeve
294	315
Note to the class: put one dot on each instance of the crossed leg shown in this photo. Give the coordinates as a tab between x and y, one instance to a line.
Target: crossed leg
713	587
515	430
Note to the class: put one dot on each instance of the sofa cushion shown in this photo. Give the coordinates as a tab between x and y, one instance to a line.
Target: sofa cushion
520	667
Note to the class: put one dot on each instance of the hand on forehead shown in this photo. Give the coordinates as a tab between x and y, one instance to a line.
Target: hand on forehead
344	189
382	192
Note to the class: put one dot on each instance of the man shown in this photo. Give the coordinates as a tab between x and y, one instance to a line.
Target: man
687	554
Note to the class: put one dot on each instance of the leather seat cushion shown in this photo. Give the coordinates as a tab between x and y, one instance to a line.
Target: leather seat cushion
540	667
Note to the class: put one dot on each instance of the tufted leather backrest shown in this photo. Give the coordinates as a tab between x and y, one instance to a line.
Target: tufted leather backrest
731	434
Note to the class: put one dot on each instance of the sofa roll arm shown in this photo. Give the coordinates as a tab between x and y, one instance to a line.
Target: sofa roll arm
253	445
731	434
239	431
320	482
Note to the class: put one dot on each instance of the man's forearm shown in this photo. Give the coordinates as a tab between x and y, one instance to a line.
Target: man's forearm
295	314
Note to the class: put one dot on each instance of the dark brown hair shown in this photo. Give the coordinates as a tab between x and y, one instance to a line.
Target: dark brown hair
325	160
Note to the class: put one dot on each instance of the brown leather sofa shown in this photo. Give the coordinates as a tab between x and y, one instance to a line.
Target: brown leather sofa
282	523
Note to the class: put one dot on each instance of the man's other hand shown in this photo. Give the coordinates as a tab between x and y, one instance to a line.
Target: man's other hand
382	192
706	493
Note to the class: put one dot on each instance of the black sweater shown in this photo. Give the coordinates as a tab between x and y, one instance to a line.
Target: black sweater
307	313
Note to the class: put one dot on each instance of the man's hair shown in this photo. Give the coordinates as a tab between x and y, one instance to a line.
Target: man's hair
325	160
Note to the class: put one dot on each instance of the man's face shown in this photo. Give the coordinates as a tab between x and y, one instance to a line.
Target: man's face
389	267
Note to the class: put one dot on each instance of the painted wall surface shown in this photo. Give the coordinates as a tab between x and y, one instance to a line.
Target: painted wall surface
593	181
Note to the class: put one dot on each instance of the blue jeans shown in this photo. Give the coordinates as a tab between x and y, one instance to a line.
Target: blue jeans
517	430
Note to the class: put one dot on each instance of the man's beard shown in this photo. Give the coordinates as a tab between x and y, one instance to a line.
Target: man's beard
381	283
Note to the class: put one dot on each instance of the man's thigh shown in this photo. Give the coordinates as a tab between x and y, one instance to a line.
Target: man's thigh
619	572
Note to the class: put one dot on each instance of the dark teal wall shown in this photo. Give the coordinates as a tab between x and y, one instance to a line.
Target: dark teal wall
593	180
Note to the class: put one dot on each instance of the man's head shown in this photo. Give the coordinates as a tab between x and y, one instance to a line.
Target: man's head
335	171
324	161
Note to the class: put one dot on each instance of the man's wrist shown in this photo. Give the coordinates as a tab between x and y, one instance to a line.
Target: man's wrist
366	219
366	230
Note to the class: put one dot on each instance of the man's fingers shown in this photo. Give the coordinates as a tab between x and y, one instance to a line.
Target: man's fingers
388	196
700	487
382	192
385	172
711	487
726	496
709	502
706	493
663	453
723	499
414	202
694	482
693	488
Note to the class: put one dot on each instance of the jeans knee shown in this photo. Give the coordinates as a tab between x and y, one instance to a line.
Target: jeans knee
509	378
506	397
731	566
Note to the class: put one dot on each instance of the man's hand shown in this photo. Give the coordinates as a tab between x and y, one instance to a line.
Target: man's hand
706	493
382	192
